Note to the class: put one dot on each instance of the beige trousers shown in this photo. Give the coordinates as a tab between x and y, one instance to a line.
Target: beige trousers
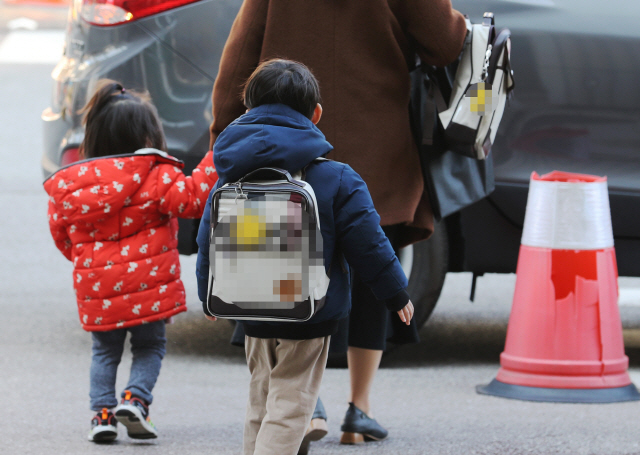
285	382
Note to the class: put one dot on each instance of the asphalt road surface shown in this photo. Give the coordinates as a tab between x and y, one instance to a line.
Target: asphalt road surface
425	394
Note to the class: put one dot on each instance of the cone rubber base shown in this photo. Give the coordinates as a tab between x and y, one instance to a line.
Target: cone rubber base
519	392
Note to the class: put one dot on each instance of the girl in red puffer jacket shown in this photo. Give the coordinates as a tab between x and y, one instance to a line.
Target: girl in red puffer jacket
114	215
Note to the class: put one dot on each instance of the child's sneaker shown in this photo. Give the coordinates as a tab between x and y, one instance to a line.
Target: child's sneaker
133	413
103	427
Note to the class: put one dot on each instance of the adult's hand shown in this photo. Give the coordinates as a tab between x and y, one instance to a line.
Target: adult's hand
211	318
406	314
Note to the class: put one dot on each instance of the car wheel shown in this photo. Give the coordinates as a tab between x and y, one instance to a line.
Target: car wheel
426	264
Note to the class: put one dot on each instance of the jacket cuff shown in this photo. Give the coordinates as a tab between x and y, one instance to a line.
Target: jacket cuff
398	301
203	287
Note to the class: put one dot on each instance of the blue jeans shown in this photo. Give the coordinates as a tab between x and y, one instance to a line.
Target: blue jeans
148	348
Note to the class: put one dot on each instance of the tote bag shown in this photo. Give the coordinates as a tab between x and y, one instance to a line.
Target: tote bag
452	181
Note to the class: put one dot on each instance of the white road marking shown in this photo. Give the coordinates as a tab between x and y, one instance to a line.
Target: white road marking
41	46
629	297
22	23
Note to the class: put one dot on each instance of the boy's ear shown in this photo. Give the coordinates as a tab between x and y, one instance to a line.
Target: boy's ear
317	114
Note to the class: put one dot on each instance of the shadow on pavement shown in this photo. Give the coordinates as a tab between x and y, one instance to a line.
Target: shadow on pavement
456	341
451	341
443	341
195	335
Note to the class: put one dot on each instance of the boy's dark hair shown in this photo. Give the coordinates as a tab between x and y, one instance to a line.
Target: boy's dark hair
118	121
285	82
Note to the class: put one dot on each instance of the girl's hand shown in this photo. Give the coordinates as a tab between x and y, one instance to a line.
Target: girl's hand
406	313
213	318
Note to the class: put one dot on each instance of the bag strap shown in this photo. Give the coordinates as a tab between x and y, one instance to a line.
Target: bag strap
337	253
439	81
431	103
488	19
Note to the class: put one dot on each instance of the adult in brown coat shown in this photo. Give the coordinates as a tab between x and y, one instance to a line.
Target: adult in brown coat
361	52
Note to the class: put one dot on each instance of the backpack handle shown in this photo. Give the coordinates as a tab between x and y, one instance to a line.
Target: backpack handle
270	170
488	19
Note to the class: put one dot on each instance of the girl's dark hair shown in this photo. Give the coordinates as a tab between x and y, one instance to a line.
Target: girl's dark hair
285	82
118	121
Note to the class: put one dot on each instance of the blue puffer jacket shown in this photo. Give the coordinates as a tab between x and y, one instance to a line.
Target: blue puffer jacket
276	135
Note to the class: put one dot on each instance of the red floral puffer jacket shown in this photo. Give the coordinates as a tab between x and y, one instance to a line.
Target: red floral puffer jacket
116	219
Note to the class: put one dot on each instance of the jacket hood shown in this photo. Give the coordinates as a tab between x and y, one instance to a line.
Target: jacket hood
268	135
93	188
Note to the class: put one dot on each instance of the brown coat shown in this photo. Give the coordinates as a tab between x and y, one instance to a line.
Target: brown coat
359	50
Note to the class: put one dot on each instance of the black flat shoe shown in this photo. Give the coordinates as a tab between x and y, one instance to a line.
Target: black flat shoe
358	427
319	412
316	430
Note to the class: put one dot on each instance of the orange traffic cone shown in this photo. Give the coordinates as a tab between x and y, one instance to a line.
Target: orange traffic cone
564	340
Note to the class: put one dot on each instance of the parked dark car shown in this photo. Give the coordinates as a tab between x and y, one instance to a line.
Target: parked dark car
576	108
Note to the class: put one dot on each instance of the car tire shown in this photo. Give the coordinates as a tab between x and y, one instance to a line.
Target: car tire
426	265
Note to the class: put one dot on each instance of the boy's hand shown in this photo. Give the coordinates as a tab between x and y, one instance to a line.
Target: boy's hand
406	313
213	318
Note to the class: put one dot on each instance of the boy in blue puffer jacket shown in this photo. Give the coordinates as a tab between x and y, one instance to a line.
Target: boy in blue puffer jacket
287	360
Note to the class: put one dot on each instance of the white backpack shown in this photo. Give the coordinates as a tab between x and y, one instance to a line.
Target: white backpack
266	249
469	129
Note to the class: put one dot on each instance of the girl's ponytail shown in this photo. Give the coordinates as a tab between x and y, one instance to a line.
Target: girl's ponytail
118	121
105	94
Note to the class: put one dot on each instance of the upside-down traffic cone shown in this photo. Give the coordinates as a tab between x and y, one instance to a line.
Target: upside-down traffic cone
564	339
